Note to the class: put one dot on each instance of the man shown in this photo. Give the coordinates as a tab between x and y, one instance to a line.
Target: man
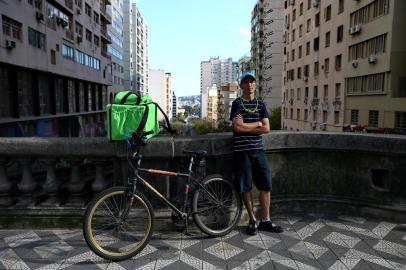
250	121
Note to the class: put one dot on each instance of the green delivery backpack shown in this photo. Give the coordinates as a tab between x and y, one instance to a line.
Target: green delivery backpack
132	112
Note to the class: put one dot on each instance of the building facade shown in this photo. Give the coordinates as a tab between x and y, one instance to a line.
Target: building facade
267	29
136	64
375	74
116	48
54	67
160	89
225	97
313	74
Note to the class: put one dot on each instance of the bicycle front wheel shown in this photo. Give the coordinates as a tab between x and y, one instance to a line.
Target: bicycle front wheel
116	228
216	206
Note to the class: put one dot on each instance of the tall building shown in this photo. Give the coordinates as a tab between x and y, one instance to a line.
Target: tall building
218	72
344	66
267	45
314	57
174	105
54	67
375	74
116	48
212	102
225	96
160	89
136	65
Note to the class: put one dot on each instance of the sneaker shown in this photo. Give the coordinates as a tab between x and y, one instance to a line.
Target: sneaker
269	226
252	228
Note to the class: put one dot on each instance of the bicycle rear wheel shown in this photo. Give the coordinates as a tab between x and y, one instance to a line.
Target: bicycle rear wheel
114	229
216	206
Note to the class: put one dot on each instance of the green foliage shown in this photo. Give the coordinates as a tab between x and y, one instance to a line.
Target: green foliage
275	118
203	126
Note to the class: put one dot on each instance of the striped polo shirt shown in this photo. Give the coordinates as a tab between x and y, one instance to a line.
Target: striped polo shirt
251	111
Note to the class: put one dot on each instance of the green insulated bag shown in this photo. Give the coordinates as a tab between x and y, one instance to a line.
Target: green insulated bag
132	112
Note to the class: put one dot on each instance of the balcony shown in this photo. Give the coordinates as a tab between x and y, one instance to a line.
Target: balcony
103	13
104	35
349	173
105	54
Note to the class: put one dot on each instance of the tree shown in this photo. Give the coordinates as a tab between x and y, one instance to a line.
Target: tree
275	118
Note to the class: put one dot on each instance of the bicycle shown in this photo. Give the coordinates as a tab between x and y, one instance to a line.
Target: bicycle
118	222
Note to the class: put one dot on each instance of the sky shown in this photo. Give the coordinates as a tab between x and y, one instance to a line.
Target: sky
182	33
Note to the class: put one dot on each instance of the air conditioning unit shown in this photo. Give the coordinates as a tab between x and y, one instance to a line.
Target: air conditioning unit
10	44
372	59
305	100
313	124
305	78
354	63
78	11
79	39
39	15
355	29
323	126
316	3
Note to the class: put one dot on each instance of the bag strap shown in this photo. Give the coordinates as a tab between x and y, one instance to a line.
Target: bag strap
127	95
141	126
168	126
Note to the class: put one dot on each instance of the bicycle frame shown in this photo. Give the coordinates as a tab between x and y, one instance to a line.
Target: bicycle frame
137	178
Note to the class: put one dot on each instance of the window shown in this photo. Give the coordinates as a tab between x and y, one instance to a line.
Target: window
340	33
340	6
12	28
299	93
324	116
307	48
317	20
36	39
67	52
291	113
400	120
369	12
306	71
300	52
336	117
325	92
327	44
96	40
314	115
293	55
370	47
338	90
298	114
88	10
96	17
53	57
306	114
316	69
354	117
306	92
293	35
316	44
88	35
78	29
299	72
373	83
315	91
327	13
308	25
326	65
338	62
300	30
309	4
294	15
301	9
373	118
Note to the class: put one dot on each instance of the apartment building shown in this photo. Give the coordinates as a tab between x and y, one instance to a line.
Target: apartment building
54	67
313	71
212	104
375	73
215	71
267	29
160	89
116	48
226	94
136	64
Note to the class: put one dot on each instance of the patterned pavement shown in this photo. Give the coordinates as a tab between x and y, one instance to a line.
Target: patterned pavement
309	242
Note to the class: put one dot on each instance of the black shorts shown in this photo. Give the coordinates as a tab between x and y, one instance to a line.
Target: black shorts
251	166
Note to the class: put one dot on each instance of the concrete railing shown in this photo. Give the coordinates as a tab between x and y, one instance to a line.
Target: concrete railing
50	178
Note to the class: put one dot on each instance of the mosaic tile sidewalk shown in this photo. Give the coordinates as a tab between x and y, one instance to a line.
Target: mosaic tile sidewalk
308	242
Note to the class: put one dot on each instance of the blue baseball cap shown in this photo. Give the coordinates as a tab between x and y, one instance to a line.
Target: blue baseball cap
247	74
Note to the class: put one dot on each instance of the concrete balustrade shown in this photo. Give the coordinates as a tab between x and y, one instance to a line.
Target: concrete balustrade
342	173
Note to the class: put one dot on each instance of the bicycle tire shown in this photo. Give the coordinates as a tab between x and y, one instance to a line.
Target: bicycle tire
110	206
216	218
